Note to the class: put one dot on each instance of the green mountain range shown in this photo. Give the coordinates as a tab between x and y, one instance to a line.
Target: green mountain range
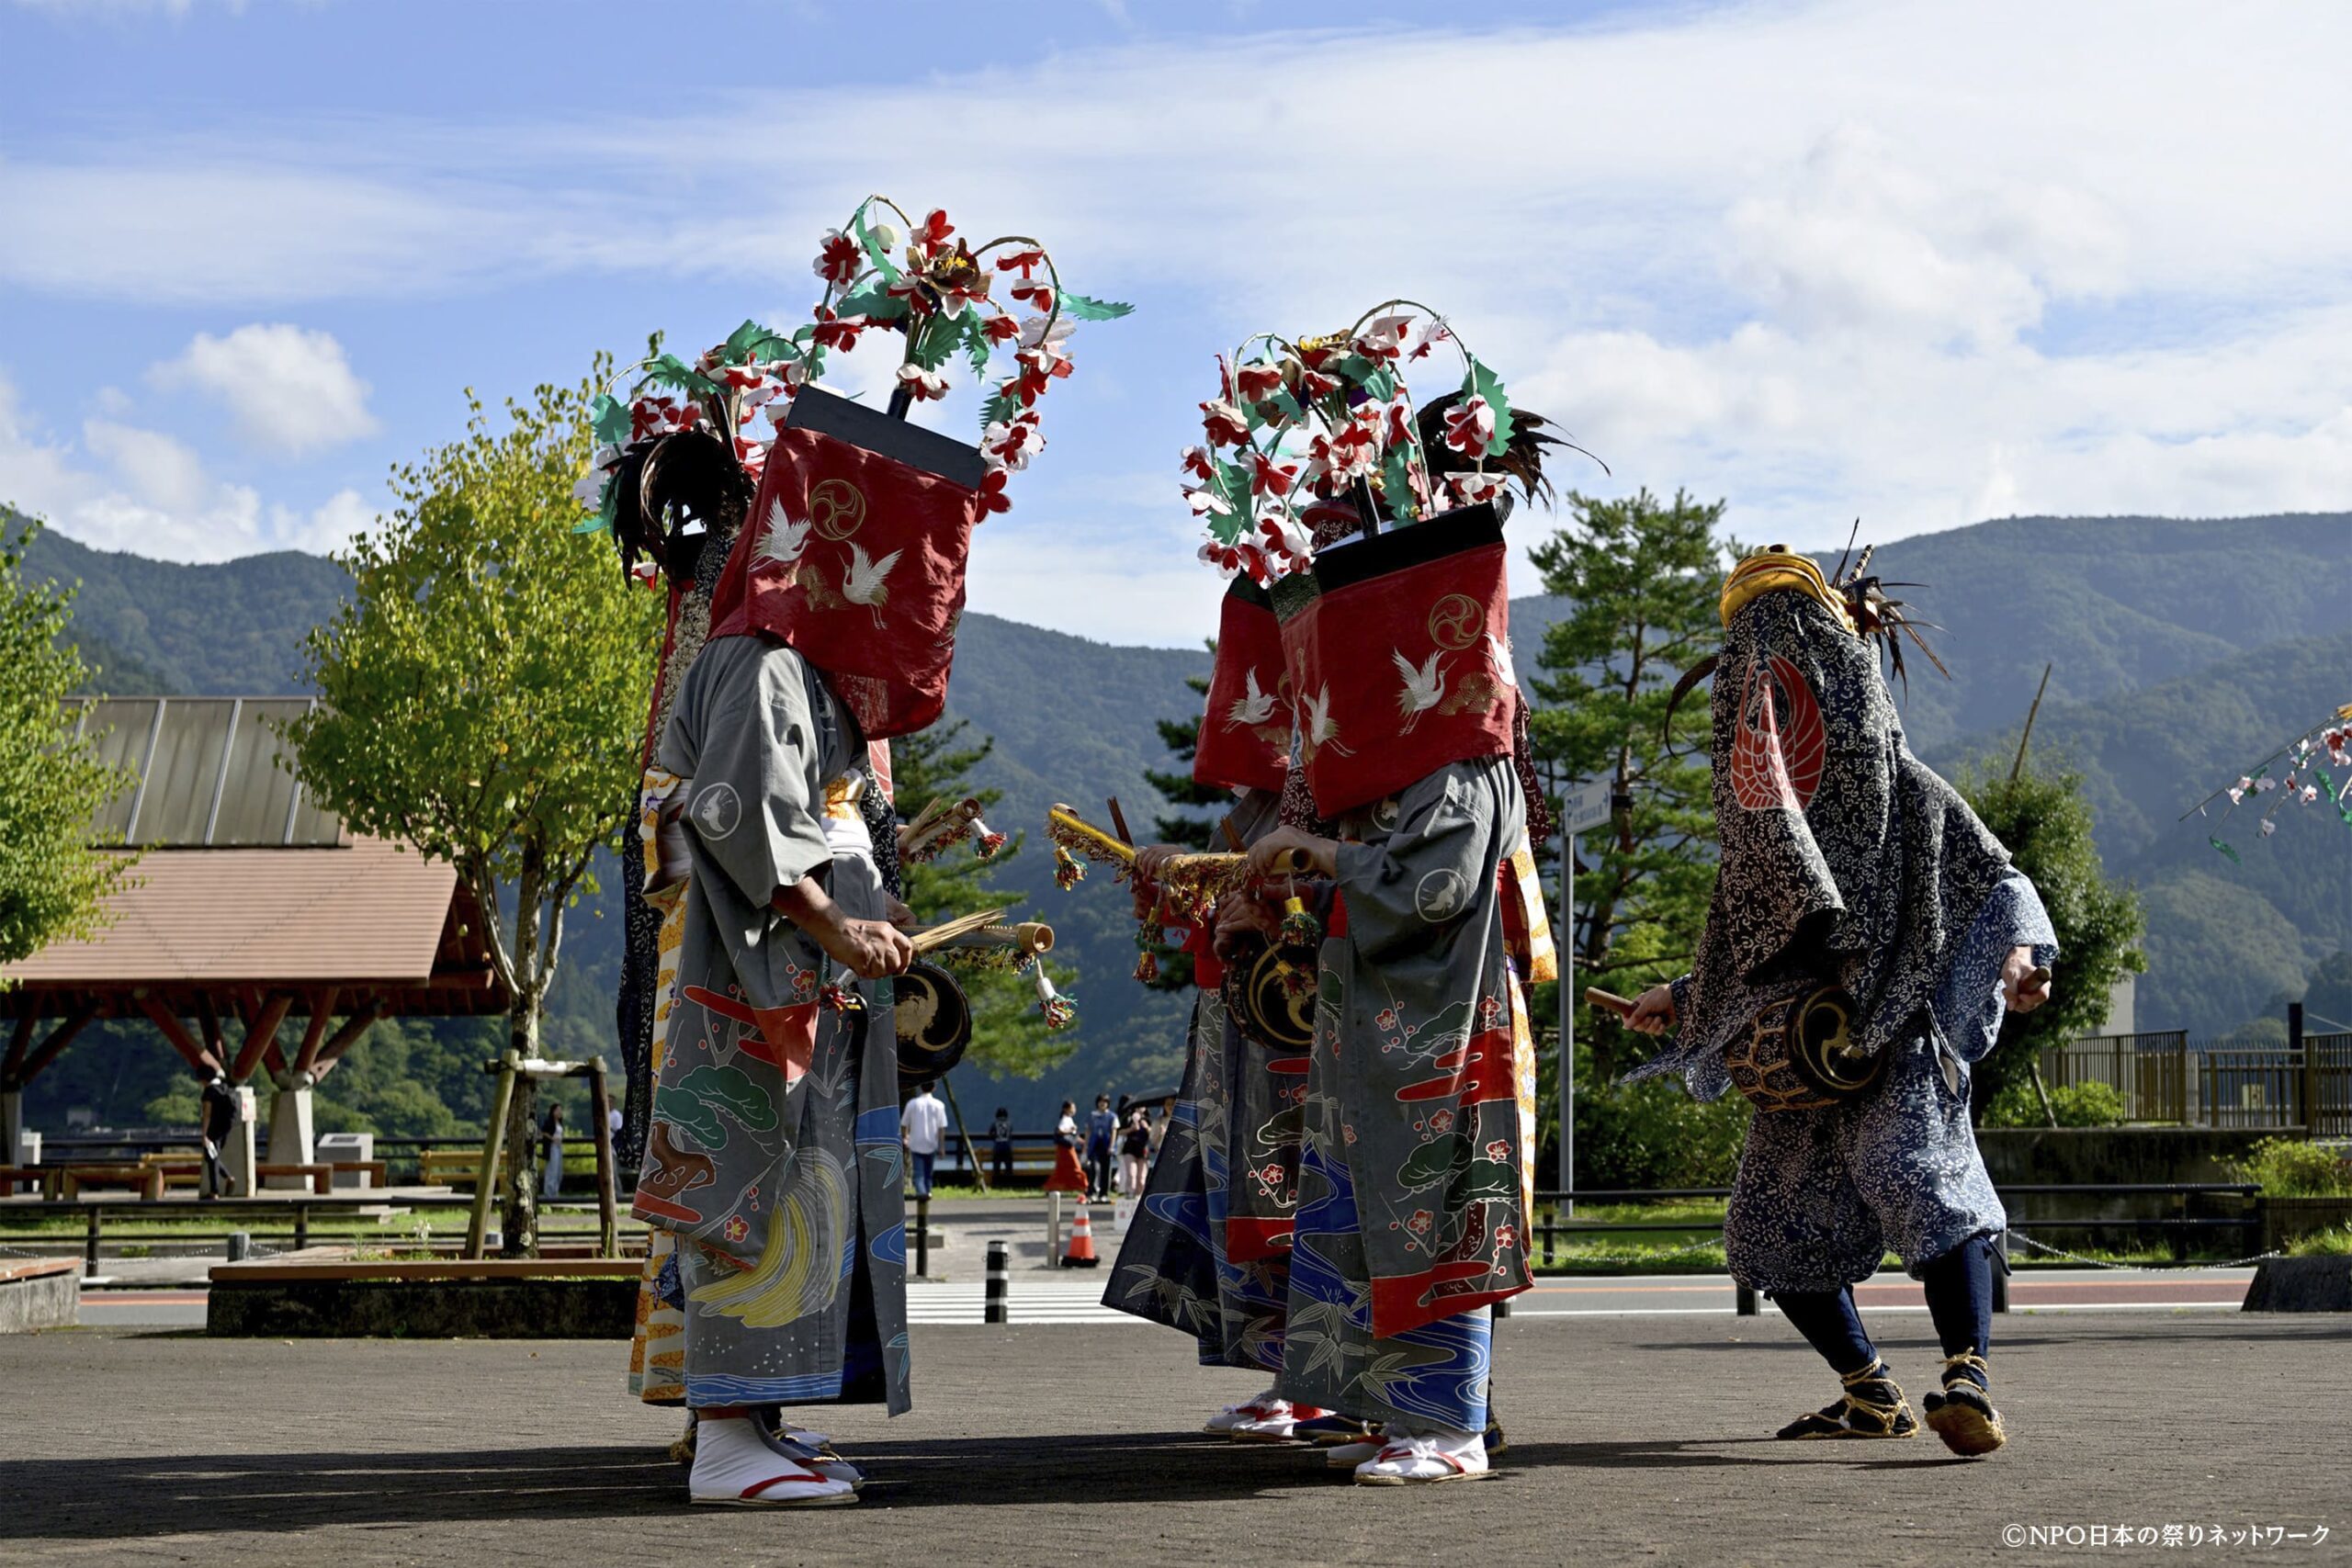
2182	652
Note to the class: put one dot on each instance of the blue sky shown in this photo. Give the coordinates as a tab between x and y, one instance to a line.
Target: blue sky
1924	266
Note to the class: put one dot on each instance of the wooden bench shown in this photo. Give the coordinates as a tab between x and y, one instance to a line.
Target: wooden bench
67	1181
14	1176
448	1167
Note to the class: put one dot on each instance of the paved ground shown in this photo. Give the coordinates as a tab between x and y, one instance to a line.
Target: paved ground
1044	1299
1635	1439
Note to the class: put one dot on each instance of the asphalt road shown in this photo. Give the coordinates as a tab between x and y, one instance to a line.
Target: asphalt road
1636	1438
1047	1298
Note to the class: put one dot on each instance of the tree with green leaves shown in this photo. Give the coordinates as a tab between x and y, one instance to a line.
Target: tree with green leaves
1009	1035
483	692
53	880
1642	577
2045	823
1191	820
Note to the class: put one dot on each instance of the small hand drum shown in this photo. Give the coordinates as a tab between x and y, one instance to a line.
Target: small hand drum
934	1022
1800	1055
1270	991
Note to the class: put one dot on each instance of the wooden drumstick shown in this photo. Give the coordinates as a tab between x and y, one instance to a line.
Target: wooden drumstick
1608	1001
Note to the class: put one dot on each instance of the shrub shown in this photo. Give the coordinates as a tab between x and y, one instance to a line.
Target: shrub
2075	1105
2290	1167
2336	1243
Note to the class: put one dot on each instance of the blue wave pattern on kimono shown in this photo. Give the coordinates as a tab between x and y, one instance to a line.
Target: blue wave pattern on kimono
1434	1375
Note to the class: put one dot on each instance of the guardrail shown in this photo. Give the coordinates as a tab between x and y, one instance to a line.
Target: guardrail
2179	1226
294	1216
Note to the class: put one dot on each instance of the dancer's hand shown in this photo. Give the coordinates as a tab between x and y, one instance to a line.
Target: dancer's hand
1238	915
1271	855
2025	984
869	949
1653	1012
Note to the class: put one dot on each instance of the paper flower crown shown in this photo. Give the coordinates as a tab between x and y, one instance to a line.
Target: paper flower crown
937	292
1329	419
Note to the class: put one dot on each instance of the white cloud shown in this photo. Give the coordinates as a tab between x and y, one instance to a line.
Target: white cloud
1821	258
130	488
290	392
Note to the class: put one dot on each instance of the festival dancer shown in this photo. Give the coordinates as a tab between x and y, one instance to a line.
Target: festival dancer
1207	1252
1866	935
771	1163
1414	1176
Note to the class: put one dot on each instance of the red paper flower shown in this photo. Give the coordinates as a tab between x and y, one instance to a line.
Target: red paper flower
1257	382
1469	427
1223	423
1021	261
839	260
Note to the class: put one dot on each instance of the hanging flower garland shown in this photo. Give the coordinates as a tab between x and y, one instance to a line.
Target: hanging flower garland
2304	781
936	291
1325	419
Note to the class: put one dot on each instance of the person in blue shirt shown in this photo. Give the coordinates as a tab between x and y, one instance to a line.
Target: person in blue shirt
1101	1127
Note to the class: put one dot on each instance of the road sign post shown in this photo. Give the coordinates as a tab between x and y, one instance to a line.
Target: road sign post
1583	807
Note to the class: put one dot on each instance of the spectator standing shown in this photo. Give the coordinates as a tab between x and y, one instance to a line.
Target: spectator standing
1102	1130
1135	1153
551	1151
1068	1174
924	1123
1000	1148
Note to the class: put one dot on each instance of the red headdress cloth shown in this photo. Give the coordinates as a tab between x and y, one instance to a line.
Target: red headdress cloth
855	554
1398	649
1245	733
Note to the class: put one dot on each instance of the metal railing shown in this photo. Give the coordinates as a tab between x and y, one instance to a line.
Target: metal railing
291	1223
2303	1082
2178	1227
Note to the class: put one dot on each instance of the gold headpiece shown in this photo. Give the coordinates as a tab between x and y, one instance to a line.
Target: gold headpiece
1773	569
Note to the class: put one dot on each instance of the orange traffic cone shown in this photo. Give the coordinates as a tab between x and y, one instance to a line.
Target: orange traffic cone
1081	1241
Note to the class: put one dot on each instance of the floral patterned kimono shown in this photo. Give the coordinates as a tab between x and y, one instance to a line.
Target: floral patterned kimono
773	1167
1416	1180
1208	1250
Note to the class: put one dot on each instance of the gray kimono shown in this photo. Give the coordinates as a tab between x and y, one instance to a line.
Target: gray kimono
774	1156
1420	1112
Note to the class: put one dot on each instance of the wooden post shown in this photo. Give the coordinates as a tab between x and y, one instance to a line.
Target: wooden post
493	1145
608	1225
971	1155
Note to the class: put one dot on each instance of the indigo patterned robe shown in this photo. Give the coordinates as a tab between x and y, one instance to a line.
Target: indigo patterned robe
1414	1187
1208	1249
1846	860
774	1157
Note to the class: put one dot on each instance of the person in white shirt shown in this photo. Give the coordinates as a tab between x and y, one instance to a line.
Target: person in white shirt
924	1123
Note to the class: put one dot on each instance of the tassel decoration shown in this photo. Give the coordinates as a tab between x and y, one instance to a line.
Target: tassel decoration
1059	1011
1147	966
1300	928
984	843
1068	870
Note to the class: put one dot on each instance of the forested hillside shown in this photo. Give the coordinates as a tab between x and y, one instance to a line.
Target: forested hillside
2182	651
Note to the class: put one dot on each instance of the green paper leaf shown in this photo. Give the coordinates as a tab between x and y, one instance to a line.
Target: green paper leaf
1380	383
873	247
934	341
977	346
2226	850
875	303
609	417
1483	383
999	409
1091	310
1396	481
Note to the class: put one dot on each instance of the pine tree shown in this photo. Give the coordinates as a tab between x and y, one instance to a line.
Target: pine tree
1009	1037
1644	578
1192	822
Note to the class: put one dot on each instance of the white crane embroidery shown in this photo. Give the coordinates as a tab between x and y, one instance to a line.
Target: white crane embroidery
1254	707
864	582
784	539
1321	729
1424	688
